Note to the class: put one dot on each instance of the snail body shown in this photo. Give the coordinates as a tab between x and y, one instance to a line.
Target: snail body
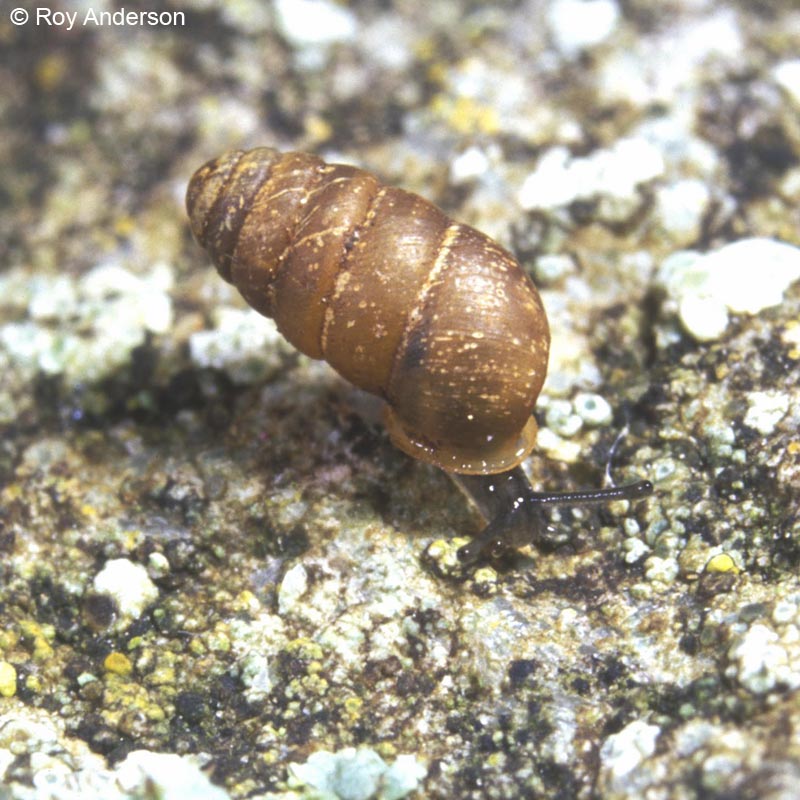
430	315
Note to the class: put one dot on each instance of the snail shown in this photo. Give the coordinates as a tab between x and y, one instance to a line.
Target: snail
430	315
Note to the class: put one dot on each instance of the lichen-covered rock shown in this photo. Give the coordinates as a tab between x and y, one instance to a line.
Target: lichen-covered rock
210	550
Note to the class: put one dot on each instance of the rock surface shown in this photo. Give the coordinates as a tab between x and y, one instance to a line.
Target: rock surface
218	577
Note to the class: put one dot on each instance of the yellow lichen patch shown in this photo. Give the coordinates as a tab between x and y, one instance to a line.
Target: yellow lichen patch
317	128
218	640
442	555
465	115
307	687
8	639
246	601
722	563
386	750
426	49
197	647
132	539
793	448
485	575
314	667
51	72
304	648
352	710
438	547
11	492
791	337
37	637
118	664
124	225
8	679
163	672
128	704
484	581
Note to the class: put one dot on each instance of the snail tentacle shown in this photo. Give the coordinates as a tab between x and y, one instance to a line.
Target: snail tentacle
514	510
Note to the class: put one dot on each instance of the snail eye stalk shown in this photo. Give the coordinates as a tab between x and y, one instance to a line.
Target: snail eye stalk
514	510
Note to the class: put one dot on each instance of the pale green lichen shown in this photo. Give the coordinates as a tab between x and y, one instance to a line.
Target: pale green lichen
611	175
707	287
622	755
593	409
767	409
762	660
361	774
561	418
292	588
245	344
88	327
129	585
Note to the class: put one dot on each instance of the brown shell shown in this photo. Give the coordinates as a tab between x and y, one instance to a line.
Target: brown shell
430	315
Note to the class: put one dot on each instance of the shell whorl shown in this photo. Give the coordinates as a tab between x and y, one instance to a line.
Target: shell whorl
431	315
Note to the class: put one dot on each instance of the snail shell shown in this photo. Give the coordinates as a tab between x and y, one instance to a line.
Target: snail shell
430	315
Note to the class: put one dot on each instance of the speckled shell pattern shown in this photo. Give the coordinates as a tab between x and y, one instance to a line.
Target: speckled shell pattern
430	315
